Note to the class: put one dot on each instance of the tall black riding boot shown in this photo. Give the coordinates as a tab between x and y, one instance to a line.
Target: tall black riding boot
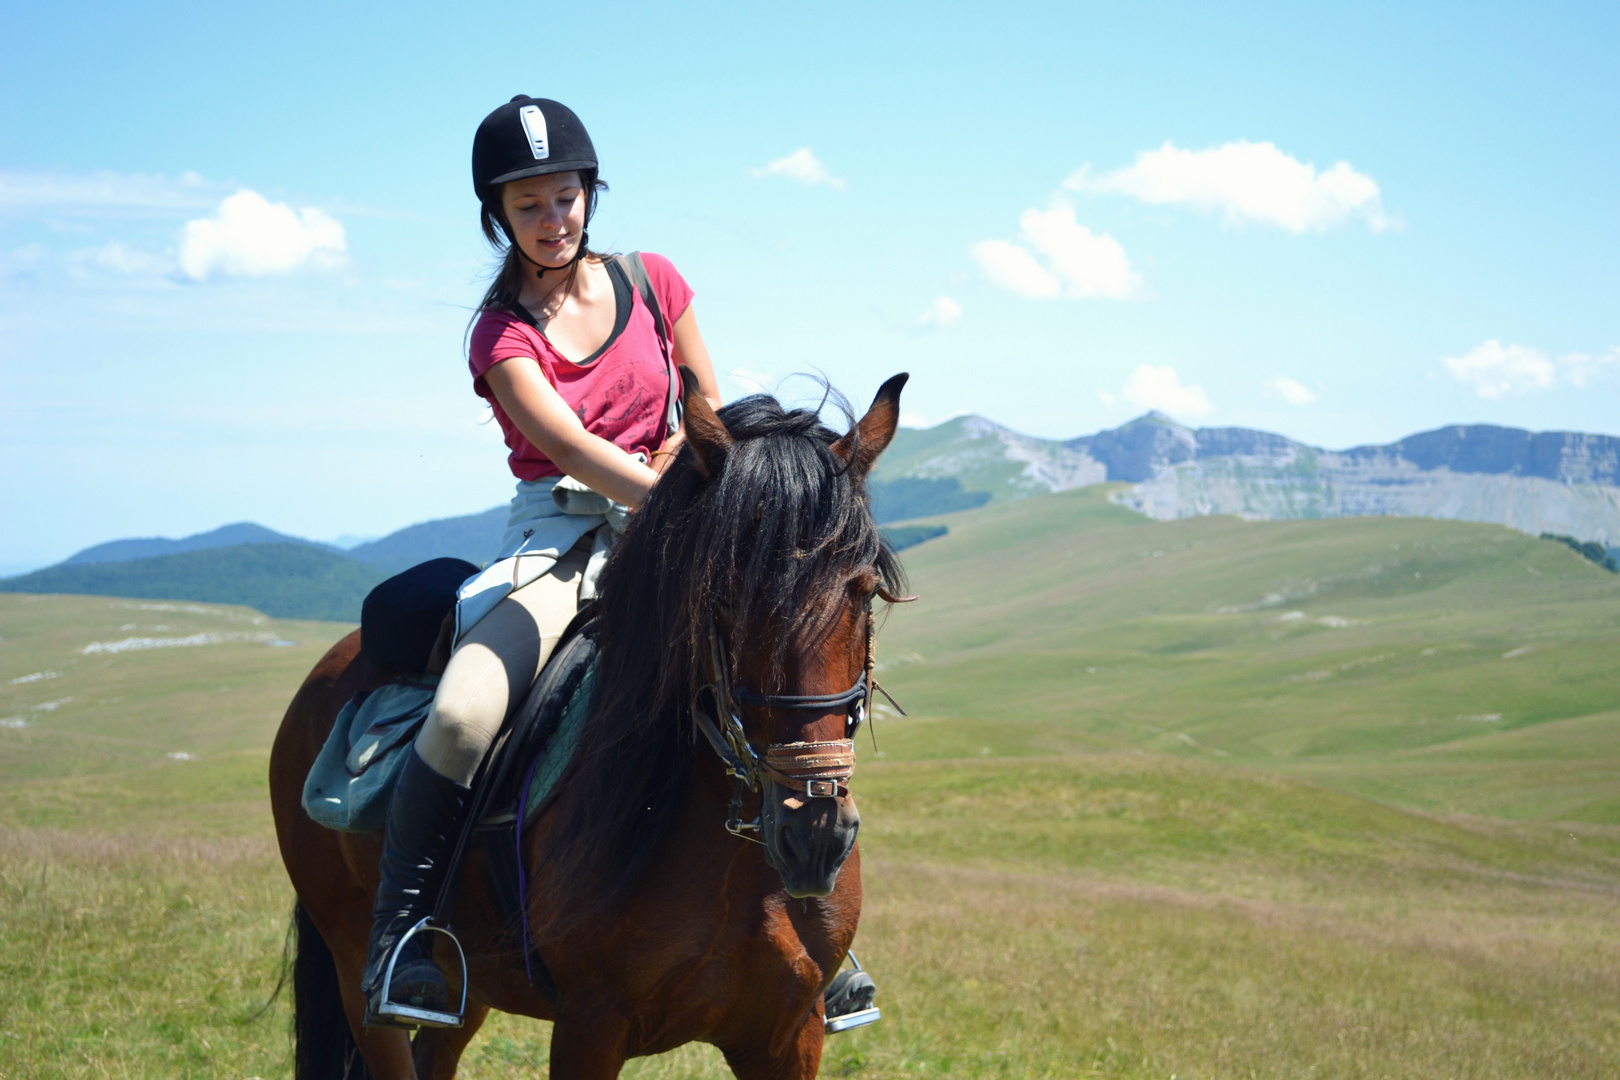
424	819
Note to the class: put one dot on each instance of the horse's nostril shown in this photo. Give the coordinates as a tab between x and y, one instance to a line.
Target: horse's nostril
795	844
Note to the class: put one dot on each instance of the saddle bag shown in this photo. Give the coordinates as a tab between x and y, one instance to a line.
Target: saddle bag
353	777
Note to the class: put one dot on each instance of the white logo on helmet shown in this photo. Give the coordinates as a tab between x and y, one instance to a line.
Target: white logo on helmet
534	125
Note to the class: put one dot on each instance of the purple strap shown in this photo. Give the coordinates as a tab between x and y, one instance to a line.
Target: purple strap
523	878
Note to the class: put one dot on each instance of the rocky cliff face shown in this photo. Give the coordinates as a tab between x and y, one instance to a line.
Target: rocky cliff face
1563	482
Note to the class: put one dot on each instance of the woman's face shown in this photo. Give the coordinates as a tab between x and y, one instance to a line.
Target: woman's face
547	214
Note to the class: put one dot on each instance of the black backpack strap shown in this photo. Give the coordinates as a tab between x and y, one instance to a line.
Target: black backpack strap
636	271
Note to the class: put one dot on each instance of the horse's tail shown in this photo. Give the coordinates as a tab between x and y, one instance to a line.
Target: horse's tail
323	1046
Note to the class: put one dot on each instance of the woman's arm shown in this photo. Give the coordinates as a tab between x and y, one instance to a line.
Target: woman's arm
545	420
689	351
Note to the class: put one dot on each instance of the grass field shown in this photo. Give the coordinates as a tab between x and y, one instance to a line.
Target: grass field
1197	799
1439	665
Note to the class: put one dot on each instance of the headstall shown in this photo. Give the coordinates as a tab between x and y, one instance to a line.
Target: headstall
813	769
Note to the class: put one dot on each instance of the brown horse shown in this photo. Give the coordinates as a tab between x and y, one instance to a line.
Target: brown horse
754	563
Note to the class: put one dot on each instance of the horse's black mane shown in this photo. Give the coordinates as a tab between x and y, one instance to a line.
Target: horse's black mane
769	539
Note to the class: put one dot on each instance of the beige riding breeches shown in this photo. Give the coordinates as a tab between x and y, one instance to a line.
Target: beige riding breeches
492	669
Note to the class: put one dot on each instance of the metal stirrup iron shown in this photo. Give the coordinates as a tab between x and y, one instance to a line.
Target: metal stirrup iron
841	989
414	1014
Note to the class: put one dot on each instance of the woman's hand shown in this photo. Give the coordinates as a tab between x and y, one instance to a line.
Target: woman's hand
550	425
665	455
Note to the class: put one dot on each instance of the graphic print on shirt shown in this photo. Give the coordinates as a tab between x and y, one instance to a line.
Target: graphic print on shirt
618	405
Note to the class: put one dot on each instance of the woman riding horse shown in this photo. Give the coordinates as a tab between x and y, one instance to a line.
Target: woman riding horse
580	374
694	874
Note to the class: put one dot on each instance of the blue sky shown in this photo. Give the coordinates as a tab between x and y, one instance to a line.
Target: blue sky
238	245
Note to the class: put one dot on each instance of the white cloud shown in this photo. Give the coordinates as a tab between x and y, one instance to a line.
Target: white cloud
250	236
1089	264
27	258
1106	398
1495	370
127	260
1011	267
1245	181
101	194
1292	392
1579	368
918	420
801	165
1151	387
942	313
1079	263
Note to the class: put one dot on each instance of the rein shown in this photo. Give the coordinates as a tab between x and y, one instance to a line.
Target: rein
818	769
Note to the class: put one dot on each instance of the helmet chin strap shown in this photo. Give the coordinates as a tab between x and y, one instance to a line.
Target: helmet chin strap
541	268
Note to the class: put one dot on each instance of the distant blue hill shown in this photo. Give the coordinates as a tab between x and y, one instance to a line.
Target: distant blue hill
245	563
349	540
477	537
243	532
292	580
901	537
474	537
911	497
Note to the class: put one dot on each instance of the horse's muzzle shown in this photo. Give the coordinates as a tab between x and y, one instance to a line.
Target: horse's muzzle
806	838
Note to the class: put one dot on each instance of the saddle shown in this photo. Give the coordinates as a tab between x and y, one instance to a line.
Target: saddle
519	777
402	629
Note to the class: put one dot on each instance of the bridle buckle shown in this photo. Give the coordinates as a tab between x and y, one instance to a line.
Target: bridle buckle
821	789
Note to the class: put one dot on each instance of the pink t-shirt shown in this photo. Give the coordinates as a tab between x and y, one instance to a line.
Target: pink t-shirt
620	396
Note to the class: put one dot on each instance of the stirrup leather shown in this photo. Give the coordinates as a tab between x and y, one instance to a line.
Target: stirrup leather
382	1007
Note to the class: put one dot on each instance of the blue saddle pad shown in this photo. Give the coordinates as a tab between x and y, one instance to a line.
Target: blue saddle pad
559	749
353	777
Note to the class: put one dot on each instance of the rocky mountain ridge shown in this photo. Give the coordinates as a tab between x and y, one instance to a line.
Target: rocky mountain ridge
1560	482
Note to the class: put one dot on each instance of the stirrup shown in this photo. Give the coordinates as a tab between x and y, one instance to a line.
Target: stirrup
399	1014
860	993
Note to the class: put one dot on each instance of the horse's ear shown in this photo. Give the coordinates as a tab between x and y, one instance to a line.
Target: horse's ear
708	437
869	438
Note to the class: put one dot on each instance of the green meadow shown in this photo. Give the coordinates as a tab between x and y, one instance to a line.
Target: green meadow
1208	798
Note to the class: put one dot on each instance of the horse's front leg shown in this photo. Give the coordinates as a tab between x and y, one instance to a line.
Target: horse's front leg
796	1057
587	1041
438	1051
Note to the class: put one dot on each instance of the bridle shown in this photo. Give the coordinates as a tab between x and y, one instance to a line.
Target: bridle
815	769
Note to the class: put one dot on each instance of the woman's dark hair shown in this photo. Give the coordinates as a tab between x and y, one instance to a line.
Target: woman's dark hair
504	290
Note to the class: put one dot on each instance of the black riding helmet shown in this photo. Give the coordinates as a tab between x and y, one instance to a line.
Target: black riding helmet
530	136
